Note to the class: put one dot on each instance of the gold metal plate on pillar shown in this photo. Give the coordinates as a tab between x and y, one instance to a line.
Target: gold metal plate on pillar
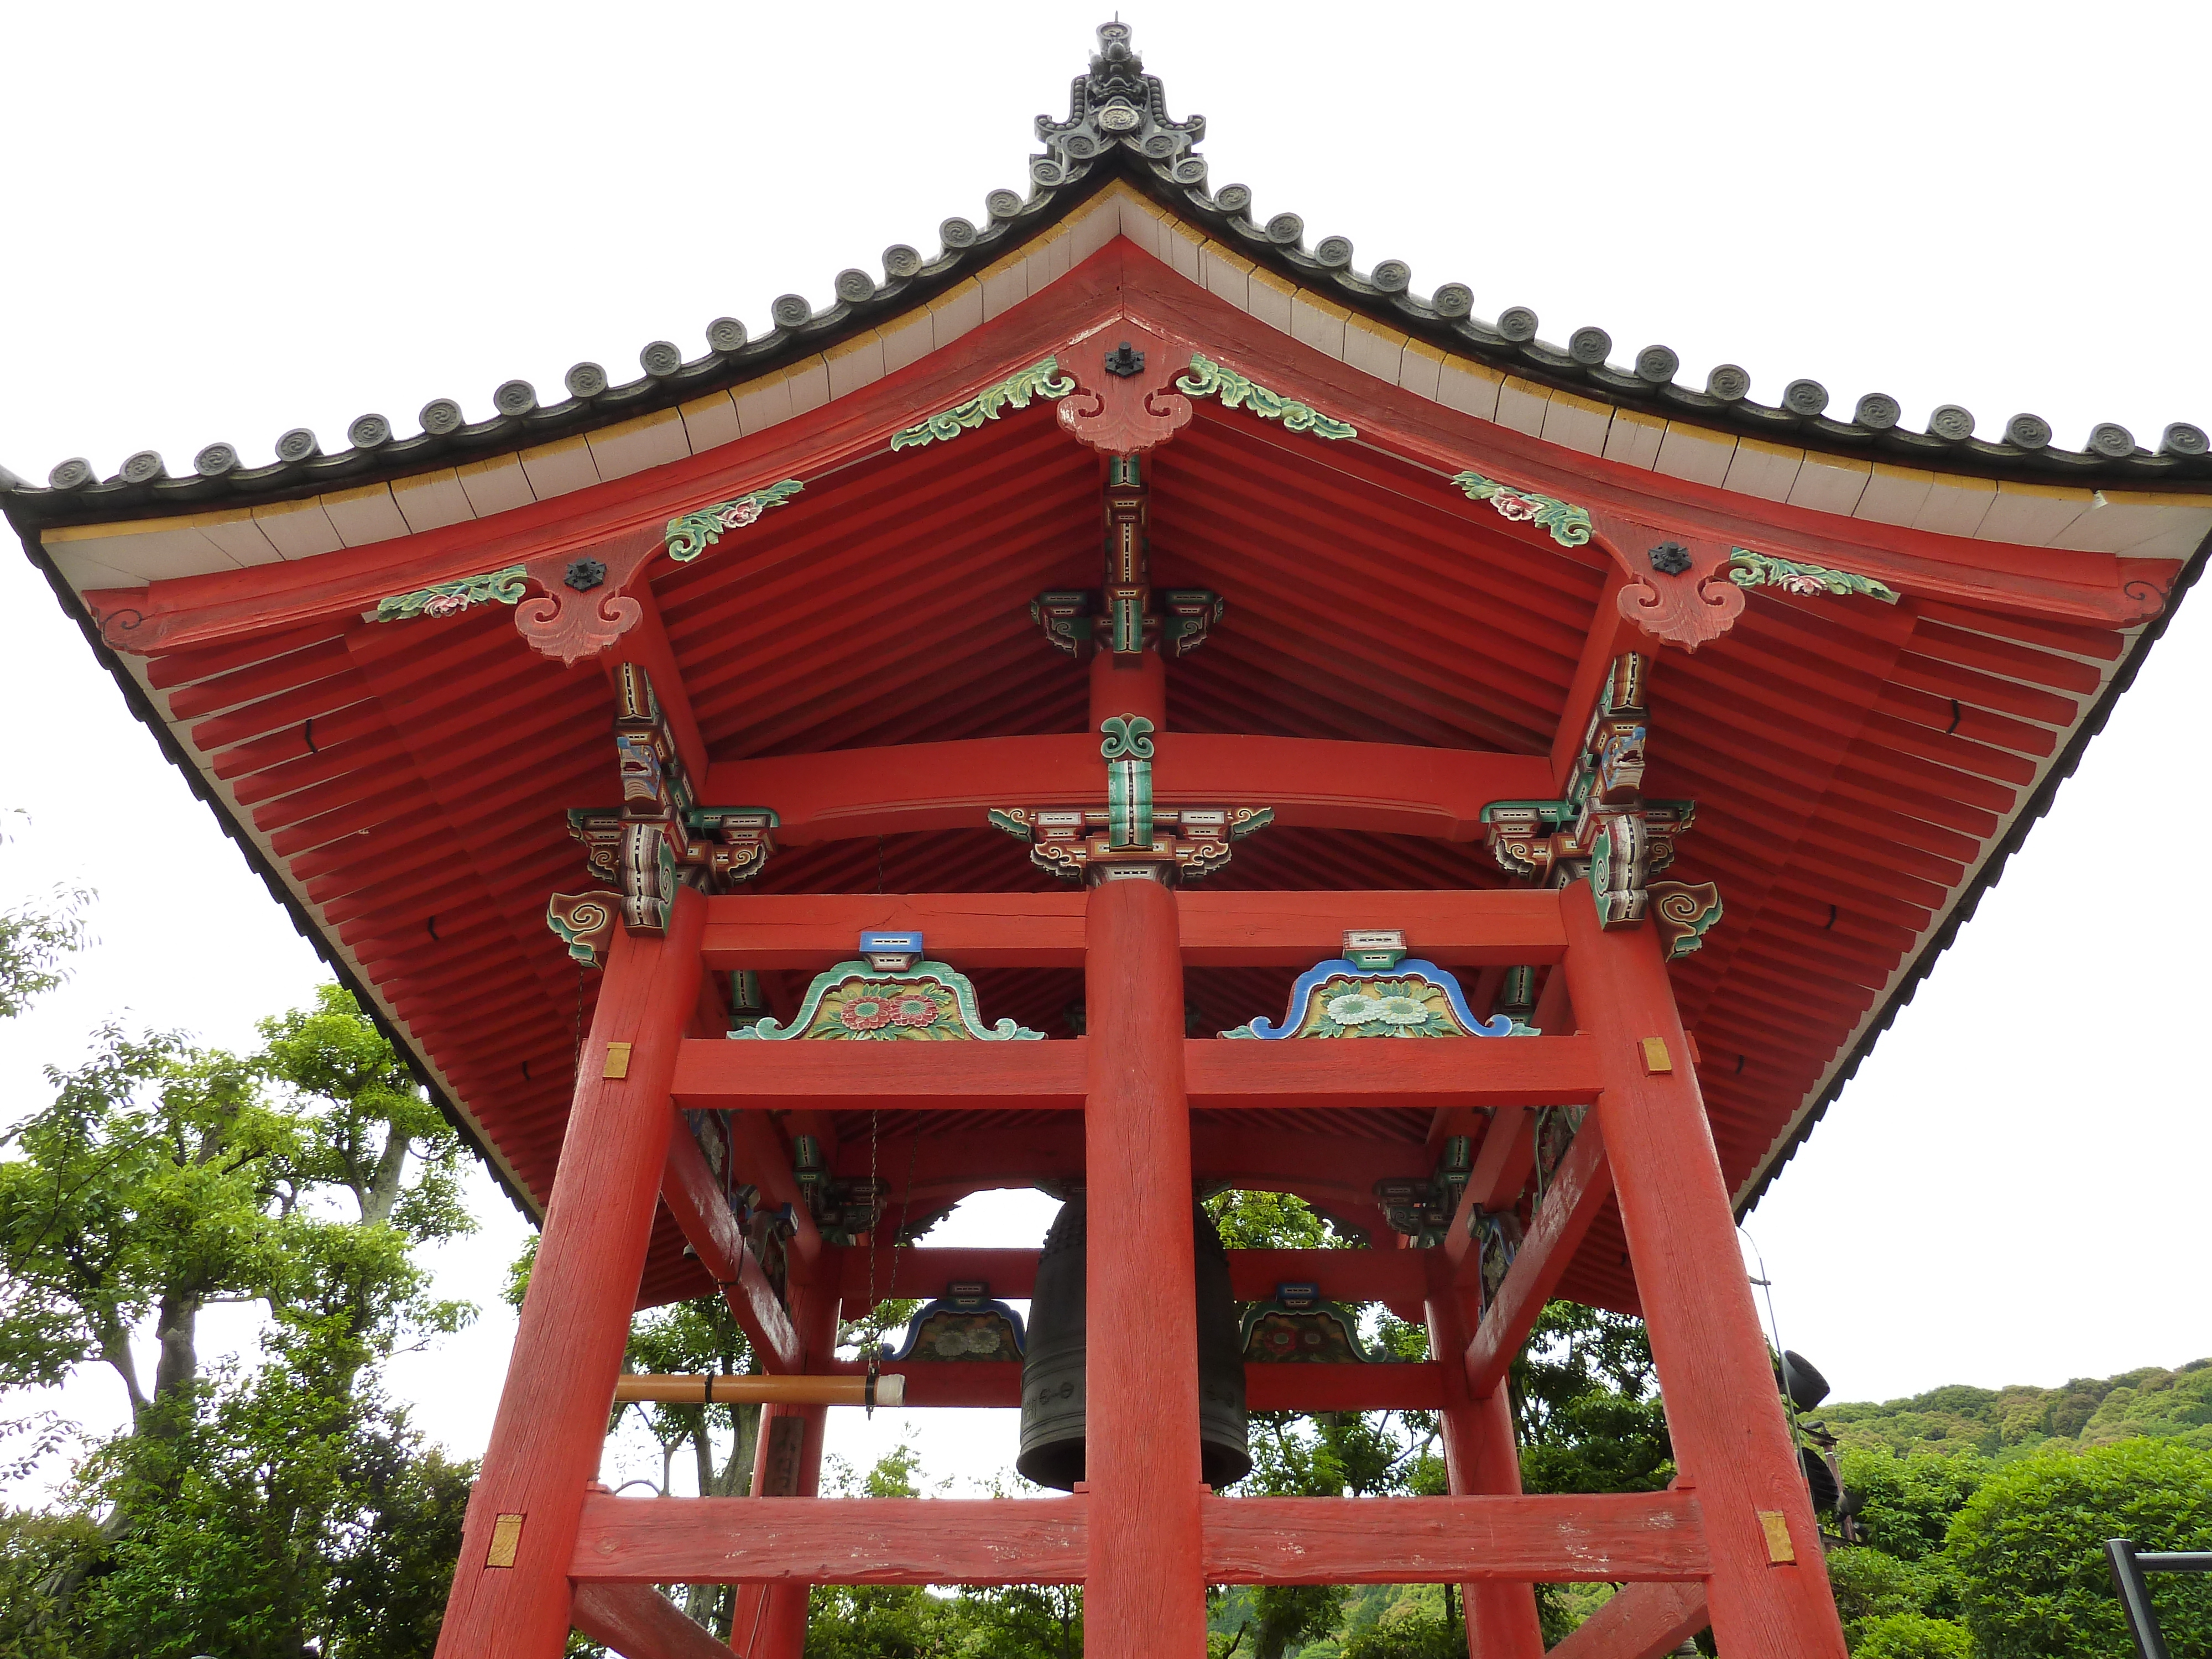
1657	1062
1780	1551
506	1540
617	1064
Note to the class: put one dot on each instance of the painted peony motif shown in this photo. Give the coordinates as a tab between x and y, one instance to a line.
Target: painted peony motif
1794	583
445	604
1379	1008
1519	509
914	1012
865	1014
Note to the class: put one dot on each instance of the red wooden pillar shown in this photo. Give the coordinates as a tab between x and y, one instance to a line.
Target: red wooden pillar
1769	1589
1129	685
769	1621
511	1589
1144	1596
1481	1455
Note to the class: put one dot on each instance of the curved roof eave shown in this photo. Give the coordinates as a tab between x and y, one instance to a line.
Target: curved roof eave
1118	128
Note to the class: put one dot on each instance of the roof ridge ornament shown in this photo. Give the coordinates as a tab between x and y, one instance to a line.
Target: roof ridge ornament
1117	104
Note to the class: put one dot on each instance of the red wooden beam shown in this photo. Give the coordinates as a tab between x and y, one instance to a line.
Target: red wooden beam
809	931
1579	1189
1616	1538
1429	1540
1461	1071
1501	1169
1268	1387
1642	1622
639	1622
831	1540
694	1198
926	1270
1342	1275
1381	788
1455	929
713	1072
847	1077
763	1161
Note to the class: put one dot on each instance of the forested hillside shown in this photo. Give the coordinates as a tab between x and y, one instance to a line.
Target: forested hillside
2003	1424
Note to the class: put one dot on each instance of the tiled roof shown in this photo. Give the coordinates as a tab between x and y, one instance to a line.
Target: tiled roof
1117	127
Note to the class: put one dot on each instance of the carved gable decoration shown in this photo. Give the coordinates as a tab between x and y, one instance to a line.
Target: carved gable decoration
1374	990
858	1001
1298	1328
965	1323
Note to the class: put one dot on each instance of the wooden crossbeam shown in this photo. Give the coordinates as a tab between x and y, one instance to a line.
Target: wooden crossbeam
1642	1622
1617	1537
1341	1275
639	1622
1268	1387
1379	787
1579	1189
1430	1540
713	1072
830	1540
808	931
694	1198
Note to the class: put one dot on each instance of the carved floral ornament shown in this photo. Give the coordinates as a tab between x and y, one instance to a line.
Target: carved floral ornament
1130	839
1375	990
1675	592
657	840
582	607
1604	831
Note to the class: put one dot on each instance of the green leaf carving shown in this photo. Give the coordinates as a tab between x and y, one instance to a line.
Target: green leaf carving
694	532
1038	380
1750	569
1208	379
1128	736
451	598
1568	524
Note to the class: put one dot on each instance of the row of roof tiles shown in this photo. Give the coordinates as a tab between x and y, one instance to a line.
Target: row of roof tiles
1118	123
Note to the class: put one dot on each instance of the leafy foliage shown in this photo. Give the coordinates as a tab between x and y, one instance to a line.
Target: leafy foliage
1586	1405
2027	1550
254	1511
36	935
1912	1636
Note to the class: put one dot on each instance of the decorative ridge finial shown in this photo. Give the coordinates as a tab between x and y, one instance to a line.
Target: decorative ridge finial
1117	104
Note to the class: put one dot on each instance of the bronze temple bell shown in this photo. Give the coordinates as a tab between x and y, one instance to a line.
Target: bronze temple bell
1052	1396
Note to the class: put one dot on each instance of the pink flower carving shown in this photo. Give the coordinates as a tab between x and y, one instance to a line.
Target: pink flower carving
1519	509
865	1014
916	1013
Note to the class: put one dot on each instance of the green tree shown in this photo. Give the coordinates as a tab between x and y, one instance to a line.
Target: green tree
235	1509
2027	1550
35	936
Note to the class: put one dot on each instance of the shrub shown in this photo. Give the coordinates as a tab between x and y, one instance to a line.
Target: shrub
2027	1552
1913	1636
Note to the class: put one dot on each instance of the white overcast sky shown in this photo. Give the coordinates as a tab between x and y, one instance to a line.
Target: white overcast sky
225	221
